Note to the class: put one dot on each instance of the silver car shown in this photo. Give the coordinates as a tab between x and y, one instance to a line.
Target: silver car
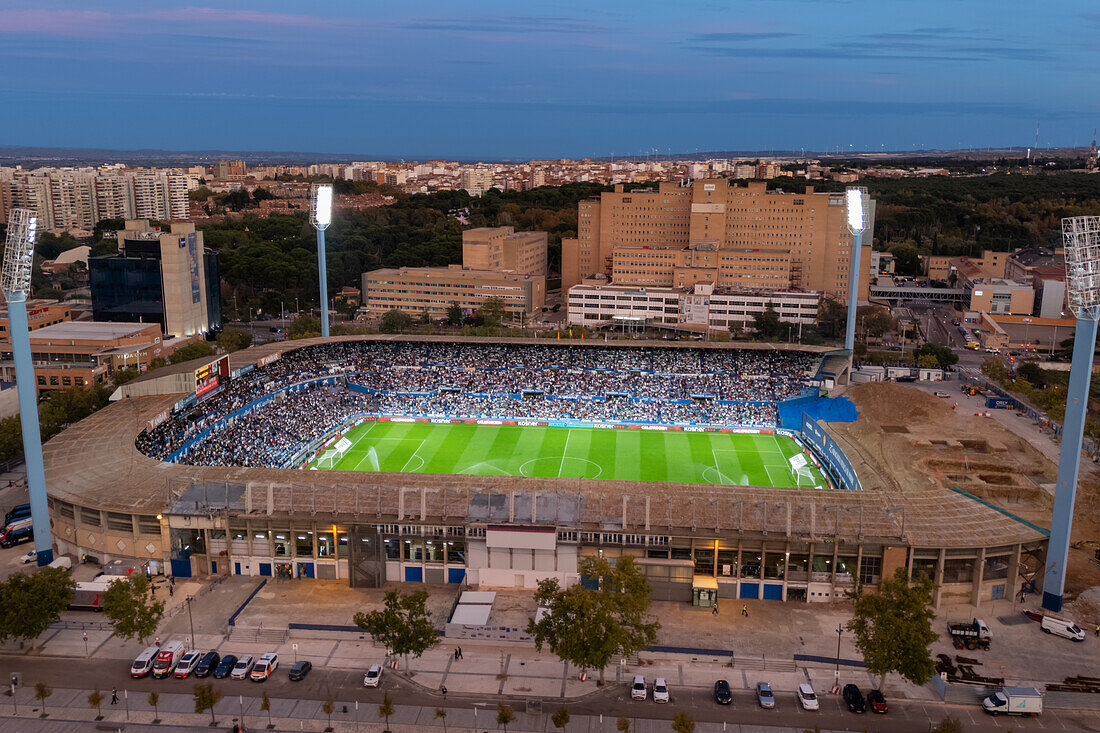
764	695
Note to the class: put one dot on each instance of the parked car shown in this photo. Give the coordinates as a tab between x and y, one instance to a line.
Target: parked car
207	664
638	690
225	666
764	695
143	665
877	701
373	677
660	690
29	557
806	697
299	670
265	667
722	693
853	698
1062	627
187	664
243	667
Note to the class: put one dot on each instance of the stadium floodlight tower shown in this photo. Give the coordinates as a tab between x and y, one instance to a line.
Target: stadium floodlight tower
857	212
1081	238
321	217
15	278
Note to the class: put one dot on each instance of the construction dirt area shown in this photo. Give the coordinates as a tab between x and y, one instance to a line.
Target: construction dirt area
910	437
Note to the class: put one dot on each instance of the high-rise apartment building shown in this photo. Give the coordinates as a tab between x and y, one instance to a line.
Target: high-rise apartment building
161	196
229	169
503	249
477	179
536	178
158	277
712	231
72	196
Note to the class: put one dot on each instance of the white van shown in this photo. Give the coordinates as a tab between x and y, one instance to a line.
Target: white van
143	665
1062	627
168	659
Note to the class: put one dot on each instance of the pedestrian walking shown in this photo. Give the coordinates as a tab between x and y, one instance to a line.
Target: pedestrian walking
714	608
456	653
114	696
156	641
1098	629
171	591
460	652
745	611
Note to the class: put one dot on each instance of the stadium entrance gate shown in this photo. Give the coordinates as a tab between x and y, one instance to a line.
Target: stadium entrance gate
366	564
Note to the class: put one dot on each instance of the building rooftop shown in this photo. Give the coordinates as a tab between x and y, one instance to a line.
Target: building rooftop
90	330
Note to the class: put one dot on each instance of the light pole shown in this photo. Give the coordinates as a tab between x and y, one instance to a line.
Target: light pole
1081	239
856	224
1027	322
836	677
191	622
321	217
15	279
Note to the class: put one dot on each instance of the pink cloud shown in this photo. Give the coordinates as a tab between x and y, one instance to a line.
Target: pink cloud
217	15
57	22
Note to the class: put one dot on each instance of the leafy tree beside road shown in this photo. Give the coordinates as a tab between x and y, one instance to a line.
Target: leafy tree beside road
30	603
587	626
403	625
130	609
893	628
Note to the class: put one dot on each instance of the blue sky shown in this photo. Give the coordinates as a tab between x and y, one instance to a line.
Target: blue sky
489	79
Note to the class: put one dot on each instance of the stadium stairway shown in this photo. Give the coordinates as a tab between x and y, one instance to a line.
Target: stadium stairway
257	635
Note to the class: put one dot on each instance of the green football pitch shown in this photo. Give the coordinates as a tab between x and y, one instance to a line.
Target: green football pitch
595	453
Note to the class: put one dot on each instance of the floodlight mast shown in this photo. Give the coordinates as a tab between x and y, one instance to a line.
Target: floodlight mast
856	199
321	217
1081	238
15	279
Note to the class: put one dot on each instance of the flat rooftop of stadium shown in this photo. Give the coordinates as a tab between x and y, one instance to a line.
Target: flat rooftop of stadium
95	464
254	354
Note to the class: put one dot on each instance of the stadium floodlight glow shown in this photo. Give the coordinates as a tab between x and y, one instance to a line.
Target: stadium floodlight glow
322	206
855	209
1081	239
321	216
15	278
855	198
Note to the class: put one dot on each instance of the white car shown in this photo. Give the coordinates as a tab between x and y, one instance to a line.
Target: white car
638	690
806	697
243	667
265	667
29	557
660	690
188	663
373	677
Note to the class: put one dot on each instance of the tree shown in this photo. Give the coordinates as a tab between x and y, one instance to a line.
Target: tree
587	626
191	351
396	321
157	363
41	692
682	722
878	322
265	706
832	317
233	339
403	626
623	725
927	361
124	375
153	700
948	725
893	628
385	710
327	707
944	356
906	259
304	327
767	323
441	714
504	715
492	311
30	603
1030	371
130	609
11	438
560	718
262	194
206	697
95	700
454	314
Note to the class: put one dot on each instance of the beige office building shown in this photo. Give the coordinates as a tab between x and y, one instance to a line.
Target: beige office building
504	249
712	231
434	289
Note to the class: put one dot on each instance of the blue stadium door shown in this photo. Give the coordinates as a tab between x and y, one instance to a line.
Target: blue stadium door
773	592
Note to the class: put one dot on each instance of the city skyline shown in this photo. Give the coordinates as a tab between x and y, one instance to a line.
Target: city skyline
565	80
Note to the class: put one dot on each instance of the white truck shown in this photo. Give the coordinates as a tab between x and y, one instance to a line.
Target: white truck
1014	701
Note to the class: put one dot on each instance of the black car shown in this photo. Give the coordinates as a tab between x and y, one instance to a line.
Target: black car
207	664
854	698
299	671
225	666
722	694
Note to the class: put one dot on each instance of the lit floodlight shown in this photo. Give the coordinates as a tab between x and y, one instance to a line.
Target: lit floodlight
322	206
855	209
15	277
1081	238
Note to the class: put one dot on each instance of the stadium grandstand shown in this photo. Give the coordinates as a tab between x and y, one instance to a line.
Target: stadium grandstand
498	463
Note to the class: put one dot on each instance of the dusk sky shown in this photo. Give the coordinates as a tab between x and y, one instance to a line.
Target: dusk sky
493	79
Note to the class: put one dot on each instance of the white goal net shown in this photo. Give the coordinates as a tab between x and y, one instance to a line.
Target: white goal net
332	456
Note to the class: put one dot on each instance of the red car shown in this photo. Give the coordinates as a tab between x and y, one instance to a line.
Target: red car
877	701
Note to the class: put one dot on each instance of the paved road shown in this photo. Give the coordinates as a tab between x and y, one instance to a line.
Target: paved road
346	687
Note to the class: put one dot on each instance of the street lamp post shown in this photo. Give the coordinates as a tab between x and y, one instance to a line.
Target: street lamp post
191	622
1081	238
856	224
15	280
321	217
836	673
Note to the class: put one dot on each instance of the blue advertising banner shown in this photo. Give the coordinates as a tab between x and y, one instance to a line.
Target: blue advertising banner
830	453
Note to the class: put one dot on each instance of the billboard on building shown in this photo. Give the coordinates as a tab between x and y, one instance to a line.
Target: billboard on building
827	449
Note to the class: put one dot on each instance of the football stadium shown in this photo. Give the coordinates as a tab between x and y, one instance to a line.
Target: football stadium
725	469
